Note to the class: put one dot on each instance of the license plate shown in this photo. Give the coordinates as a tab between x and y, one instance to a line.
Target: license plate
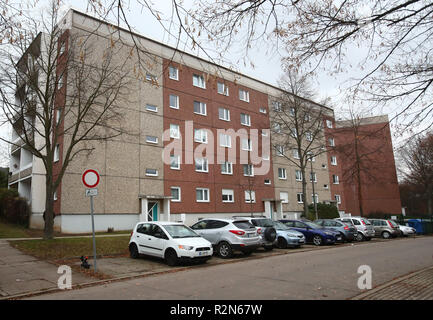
301	241
203	253
338	238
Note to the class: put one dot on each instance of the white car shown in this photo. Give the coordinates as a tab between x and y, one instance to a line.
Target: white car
407	231
171	241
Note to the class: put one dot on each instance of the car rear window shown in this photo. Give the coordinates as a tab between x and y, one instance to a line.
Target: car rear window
243	225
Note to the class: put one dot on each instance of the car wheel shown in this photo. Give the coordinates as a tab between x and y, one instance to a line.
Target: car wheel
317	240
360	237
386	235
268	248
282	243
171	258
270	234
225	250
133	251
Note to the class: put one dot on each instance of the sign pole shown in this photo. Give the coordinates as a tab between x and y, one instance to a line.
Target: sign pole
93	231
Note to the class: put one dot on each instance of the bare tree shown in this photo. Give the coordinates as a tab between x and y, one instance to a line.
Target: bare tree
392	41
57	88
297	126
418	158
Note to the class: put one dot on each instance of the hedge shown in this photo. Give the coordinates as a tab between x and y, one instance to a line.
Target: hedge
14	209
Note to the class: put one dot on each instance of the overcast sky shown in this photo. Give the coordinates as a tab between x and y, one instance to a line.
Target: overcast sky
267	64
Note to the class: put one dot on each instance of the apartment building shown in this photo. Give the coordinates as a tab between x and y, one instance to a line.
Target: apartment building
195	146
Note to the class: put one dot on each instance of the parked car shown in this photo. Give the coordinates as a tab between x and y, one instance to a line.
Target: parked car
228	235
276	233
385	228
364	227
265	228
287	237
347	231
313	233
171	241
405	230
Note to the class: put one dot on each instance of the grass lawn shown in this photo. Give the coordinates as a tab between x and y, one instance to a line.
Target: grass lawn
69	248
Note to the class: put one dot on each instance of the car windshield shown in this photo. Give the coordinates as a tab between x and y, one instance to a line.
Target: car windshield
180	231
312	225
280	226
264	223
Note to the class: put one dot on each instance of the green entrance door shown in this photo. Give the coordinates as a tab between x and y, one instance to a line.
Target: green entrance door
152	212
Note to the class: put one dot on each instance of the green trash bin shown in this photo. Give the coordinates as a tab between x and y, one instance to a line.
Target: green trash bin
427	226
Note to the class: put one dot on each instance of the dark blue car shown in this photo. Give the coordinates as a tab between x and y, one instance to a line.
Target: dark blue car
313	233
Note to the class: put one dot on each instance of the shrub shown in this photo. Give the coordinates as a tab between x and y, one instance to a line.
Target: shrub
12	208
324	211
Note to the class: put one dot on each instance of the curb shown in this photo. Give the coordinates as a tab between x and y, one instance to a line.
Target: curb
388	284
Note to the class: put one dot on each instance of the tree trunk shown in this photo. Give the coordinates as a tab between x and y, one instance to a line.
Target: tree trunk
304	192
49	212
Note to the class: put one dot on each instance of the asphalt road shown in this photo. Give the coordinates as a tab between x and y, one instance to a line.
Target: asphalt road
321	274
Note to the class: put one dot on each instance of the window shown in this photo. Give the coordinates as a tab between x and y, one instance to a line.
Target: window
57	153
313	177
300	197
250	196
282	174
225	140
338	198
265	132
334	160
329	124
267	181
174	131
198	81
262	110
309	136
174	101
244	95
298	175
307	117
335	179
62	48
201	165
277	127
315	198
227	168
151	77
292	111
310	156
245	119
200	108
173	73
61	82
175	162
200	135
280	150
150	107
276	106
295	153
331	142
151	172
151	139
227	195
224	114
222	88
202	194
284	197
246	145
248	170
294	132
58	115
55	195
175	193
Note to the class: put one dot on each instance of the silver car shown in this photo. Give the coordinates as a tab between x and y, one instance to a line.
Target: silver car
385	228
228	235
364	227
265	228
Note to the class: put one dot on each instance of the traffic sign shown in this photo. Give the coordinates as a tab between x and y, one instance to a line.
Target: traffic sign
91	192
90	178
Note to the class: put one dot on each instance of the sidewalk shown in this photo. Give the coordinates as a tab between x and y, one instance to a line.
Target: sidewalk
415	286
20	273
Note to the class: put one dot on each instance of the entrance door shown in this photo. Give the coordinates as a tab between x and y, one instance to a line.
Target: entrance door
152	212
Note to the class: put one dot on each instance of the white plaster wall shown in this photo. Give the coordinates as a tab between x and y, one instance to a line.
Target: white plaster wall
82	223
